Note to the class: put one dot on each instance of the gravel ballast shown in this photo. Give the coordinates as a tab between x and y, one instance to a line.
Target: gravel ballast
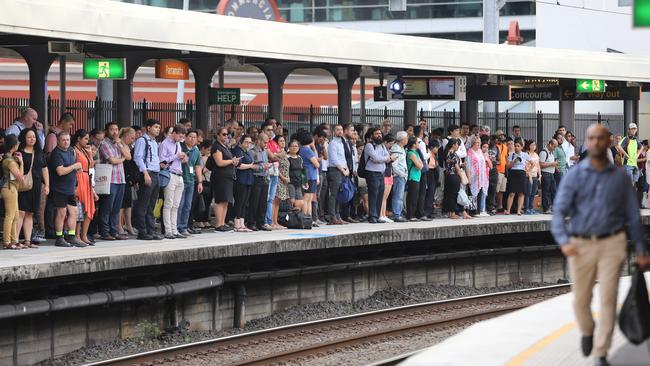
295	314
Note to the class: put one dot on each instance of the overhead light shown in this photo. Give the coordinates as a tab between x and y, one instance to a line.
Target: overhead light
397	86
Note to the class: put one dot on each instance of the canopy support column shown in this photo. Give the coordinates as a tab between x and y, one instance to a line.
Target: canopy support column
276	74
38	61
203	70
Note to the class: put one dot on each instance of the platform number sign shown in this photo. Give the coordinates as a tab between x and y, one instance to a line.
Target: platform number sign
380	93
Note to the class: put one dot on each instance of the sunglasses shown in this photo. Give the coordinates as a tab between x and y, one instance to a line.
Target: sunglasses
224	134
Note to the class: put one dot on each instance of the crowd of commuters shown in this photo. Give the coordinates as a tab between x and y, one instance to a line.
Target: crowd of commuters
250	179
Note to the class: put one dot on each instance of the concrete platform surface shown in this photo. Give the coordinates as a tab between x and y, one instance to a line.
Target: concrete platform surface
49	261
544	334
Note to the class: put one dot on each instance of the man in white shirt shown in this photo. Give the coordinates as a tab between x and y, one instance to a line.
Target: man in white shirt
28	119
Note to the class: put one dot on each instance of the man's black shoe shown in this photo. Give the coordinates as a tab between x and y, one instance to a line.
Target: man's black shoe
351	220
264	228
170	236
157	237
60	242
145	237
587	343
74	242
425	218
601	361
253	228
399	219
372	220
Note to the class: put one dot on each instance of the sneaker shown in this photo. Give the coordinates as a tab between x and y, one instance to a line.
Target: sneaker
399	219
60	242
170	236
425	218
224	229
157	237
185	233
180	236
38	238
76	243
385	219
548	212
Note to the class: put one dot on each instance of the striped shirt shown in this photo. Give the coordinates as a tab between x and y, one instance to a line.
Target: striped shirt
109	149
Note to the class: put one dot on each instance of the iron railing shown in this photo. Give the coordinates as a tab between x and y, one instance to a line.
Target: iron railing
96	113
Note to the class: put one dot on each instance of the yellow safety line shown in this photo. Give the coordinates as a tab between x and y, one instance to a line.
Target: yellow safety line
541	344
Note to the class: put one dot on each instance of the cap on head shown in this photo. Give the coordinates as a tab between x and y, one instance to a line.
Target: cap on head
499	132
632	125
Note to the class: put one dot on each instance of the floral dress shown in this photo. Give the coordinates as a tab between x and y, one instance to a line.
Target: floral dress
283	190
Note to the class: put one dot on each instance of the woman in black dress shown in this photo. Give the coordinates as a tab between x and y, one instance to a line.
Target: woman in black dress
29	201
452	181
222	178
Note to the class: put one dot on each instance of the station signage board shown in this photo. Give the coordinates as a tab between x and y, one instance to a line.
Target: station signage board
380	94
590	86
612	93
225	96
427	88
172	69
104	68
534	94
488	92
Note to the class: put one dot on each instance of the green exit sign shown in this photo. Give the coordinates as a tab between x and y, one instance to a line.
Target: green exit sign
225	96
104	68
641	13
590	86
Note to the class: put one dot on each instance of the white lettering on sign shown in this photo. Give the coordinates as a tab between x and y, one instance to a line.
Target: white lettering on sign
178	71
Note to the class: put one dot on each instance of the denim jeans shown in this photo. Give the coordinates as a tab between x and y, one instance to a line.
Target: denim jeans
110	210
397	203
632	172
185	207
531	192
273	188
375	182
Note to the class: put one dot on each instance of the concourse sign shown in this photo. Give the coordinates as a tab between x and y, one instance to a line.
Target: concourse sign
590	86
225	96
104	68
534	94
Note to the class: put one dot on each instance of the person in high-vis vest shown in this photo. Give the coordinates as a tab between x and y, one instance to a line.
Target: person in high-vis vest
630	149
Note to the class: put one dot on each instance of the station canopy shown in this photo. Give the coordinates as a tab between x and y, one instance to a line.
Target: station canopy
118	23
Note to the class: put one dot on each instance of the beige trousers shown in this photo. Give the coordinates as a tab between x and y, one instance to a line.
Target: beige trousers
597	260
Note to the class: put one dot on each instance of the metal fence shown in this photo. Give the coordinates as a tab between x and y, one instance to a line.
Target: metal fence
90	114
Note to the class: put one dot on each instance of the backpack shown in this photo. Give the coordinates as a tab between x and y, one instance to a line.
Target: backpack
361	169
295	220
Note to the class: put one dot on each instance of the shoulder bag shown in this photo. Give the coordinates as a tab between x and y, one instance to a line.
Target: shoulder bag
28	181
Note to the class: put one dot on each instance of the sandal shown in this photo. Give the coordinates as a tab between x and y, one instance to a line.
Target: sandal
10	246
30	245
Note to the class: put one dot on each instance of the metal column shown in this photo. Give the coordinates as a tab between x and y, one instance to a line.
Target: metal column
203	70
567	114
276	74
631	112
345	78
38	61
410	113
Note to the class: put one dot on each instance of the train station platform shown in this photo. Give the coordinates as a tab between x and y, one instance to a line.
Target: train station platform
51	262
540	335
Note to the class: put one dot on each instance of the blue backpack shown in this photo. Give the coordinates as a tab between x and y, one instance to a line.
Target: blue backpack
346	191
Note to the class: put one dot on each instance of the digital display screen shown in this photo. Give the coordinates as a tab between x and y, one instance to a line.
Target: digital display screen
441	87
415	86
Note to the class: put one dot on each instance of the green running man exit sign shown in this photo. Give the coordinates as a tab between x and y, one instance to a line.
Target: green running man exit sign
641	13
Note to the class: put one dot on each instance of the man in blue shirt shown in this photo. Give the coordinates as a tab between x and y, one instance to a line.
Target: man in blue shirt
63	170
145	156
600	202
376	157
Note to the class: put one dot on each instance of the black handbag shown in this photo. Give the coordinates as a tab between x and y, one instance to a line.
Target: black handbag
634	319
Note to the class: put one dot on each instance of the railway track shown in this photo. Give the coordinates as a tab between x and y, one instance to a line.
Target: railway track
307	342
